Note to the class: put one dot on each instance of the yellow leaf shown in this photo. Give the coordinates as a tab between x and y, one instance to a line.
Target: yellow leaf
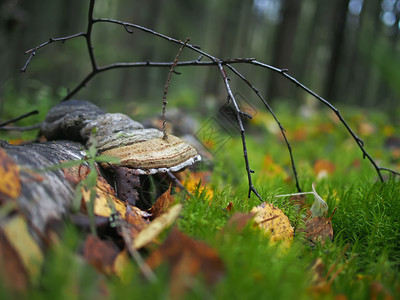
153	230
273	222
121	261
10	185
104	194
272	169
17	233
194	179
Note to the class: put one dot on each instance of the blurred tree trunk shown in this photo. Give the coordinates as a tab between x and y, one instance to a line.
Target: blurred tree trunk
283	46
364	78
226	27
338	26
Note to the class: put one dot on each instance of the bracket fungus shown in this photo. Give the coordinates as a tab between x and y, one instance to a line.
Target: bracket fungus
141	151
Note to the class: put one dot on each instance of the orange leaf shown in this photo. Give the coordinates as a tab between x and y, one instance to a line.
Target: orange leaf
163	203
136	219
10	185
75	174
100	254
323	168
195	178
270	168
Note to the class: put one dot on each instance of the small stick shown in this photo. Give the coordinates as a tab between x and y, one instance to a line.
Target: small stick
13	128
165	102
33	112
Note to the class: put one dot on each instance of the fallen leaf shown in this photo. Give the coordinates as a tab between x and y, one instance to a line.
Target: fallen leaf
16	232
229	207
319	207
136	220
319	229
273	222
187	258
378	291
75	174
10	185
120	264
271	169
12	272
16	142
163	203
100	254
300	134
153	230
104	194
198	180
323	168
366	129
239	220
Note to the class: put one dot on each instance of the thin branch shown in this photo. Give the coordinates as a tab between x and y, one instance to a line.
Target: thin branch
23	116
165	102
242	132
389	170
170	39
13	128
51	40
89	36
276	120
360	143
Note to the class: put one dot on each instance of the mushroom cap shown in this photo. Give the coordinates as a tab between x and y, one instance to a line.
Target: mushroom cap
155	155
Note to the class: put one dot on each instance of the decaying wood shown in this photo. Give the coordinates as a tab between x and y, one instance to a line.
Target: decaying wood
45	196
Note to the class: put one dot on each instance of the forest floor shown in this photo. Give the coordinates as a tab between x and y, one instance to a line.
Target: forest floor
354	254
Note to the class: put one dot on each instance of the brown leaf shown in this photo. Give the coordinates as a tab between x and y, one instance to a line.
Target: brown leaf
378	291
163	203
100	254
319	229
323	168
239	220
134	218
12	271
187	258
229	207
18	234
75	174
10	185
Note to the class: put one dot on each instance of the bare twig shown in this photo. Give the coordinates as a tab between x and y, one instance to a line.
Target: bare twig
23	116
164	107
51	40
213	61
276	120
239	114
14	128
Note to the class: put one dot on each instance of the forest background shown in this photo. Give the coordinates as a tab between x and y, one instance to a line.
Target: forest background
345	50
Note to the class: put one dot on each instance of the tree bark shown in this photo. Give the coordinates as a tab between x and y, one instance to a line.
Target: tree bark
283	46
